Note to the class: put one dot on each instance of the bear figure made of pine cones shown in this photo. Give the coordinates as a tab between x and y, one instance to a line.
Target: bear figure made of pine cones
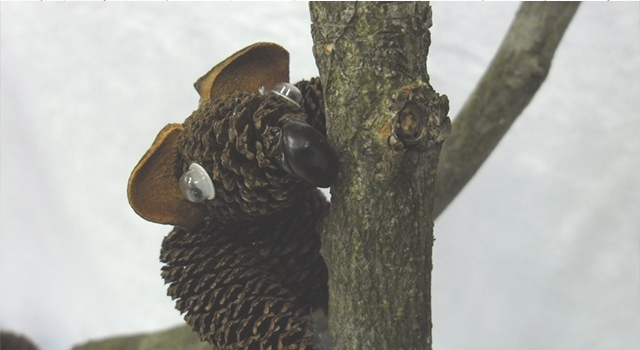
238	180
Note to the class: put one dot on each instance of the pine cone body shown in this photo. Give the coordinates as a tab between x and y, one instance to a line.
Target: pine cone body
251	287
250	275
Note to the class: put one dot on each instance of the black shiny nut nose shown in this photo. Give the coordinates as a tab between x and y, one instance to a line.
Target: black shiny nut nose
306	153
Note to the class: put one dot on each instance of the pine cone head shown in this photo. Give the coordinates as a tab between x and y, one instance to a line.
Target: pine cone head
242	140
235	139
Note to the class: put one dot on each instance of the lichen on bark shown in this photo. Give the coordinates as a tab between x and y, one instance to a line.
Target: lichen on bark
387	124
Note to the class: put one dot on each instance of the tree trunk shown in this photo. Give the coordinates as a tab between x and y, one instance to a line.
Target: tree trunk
387	125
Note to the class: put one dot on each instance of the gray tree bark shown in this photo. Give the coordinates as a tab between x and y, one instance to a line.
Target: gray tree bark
387	125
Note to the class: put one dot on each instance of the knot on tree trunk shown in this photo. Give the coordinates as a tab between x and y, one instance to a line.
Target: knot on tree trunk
421	119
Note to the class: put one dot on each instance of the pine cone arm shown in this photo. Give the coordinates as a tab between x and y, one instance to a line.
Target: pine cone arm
313	103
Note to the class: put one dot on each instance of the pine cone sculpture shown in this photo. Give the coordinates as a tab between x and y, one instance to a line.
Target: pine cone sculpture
238	180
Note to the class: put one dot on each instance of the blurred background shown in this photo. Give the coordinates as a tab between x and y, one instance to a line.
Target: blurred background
539	251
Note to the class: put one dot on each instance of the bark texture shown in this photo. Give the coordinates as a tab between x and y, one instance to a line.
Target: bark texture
387	125
514	76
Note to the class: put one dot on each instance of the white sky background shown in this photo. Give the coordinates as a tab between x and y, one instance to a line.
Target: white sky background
540	251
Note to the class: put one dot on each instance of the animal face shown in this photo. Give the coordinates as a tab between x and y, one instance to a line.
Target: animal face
240	142
246	152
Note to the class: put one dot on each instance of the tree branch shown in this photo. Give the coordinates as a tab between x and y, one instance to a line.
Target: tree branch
177	338
387	125
514	76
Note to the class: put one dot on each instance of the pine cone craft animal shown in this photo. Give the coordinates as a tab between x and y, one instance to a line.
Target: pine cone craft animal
238	180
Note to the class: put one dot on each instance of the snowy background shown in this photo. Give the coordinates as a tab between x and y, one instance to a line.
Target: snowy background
540	251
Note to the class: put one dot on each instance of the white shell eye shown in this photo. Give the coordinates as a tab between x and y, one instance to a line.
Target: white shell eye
286	90
196	185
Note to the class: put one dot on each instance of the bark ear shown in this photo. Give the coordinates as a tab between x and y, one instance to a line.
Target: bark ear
153	186
260	64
